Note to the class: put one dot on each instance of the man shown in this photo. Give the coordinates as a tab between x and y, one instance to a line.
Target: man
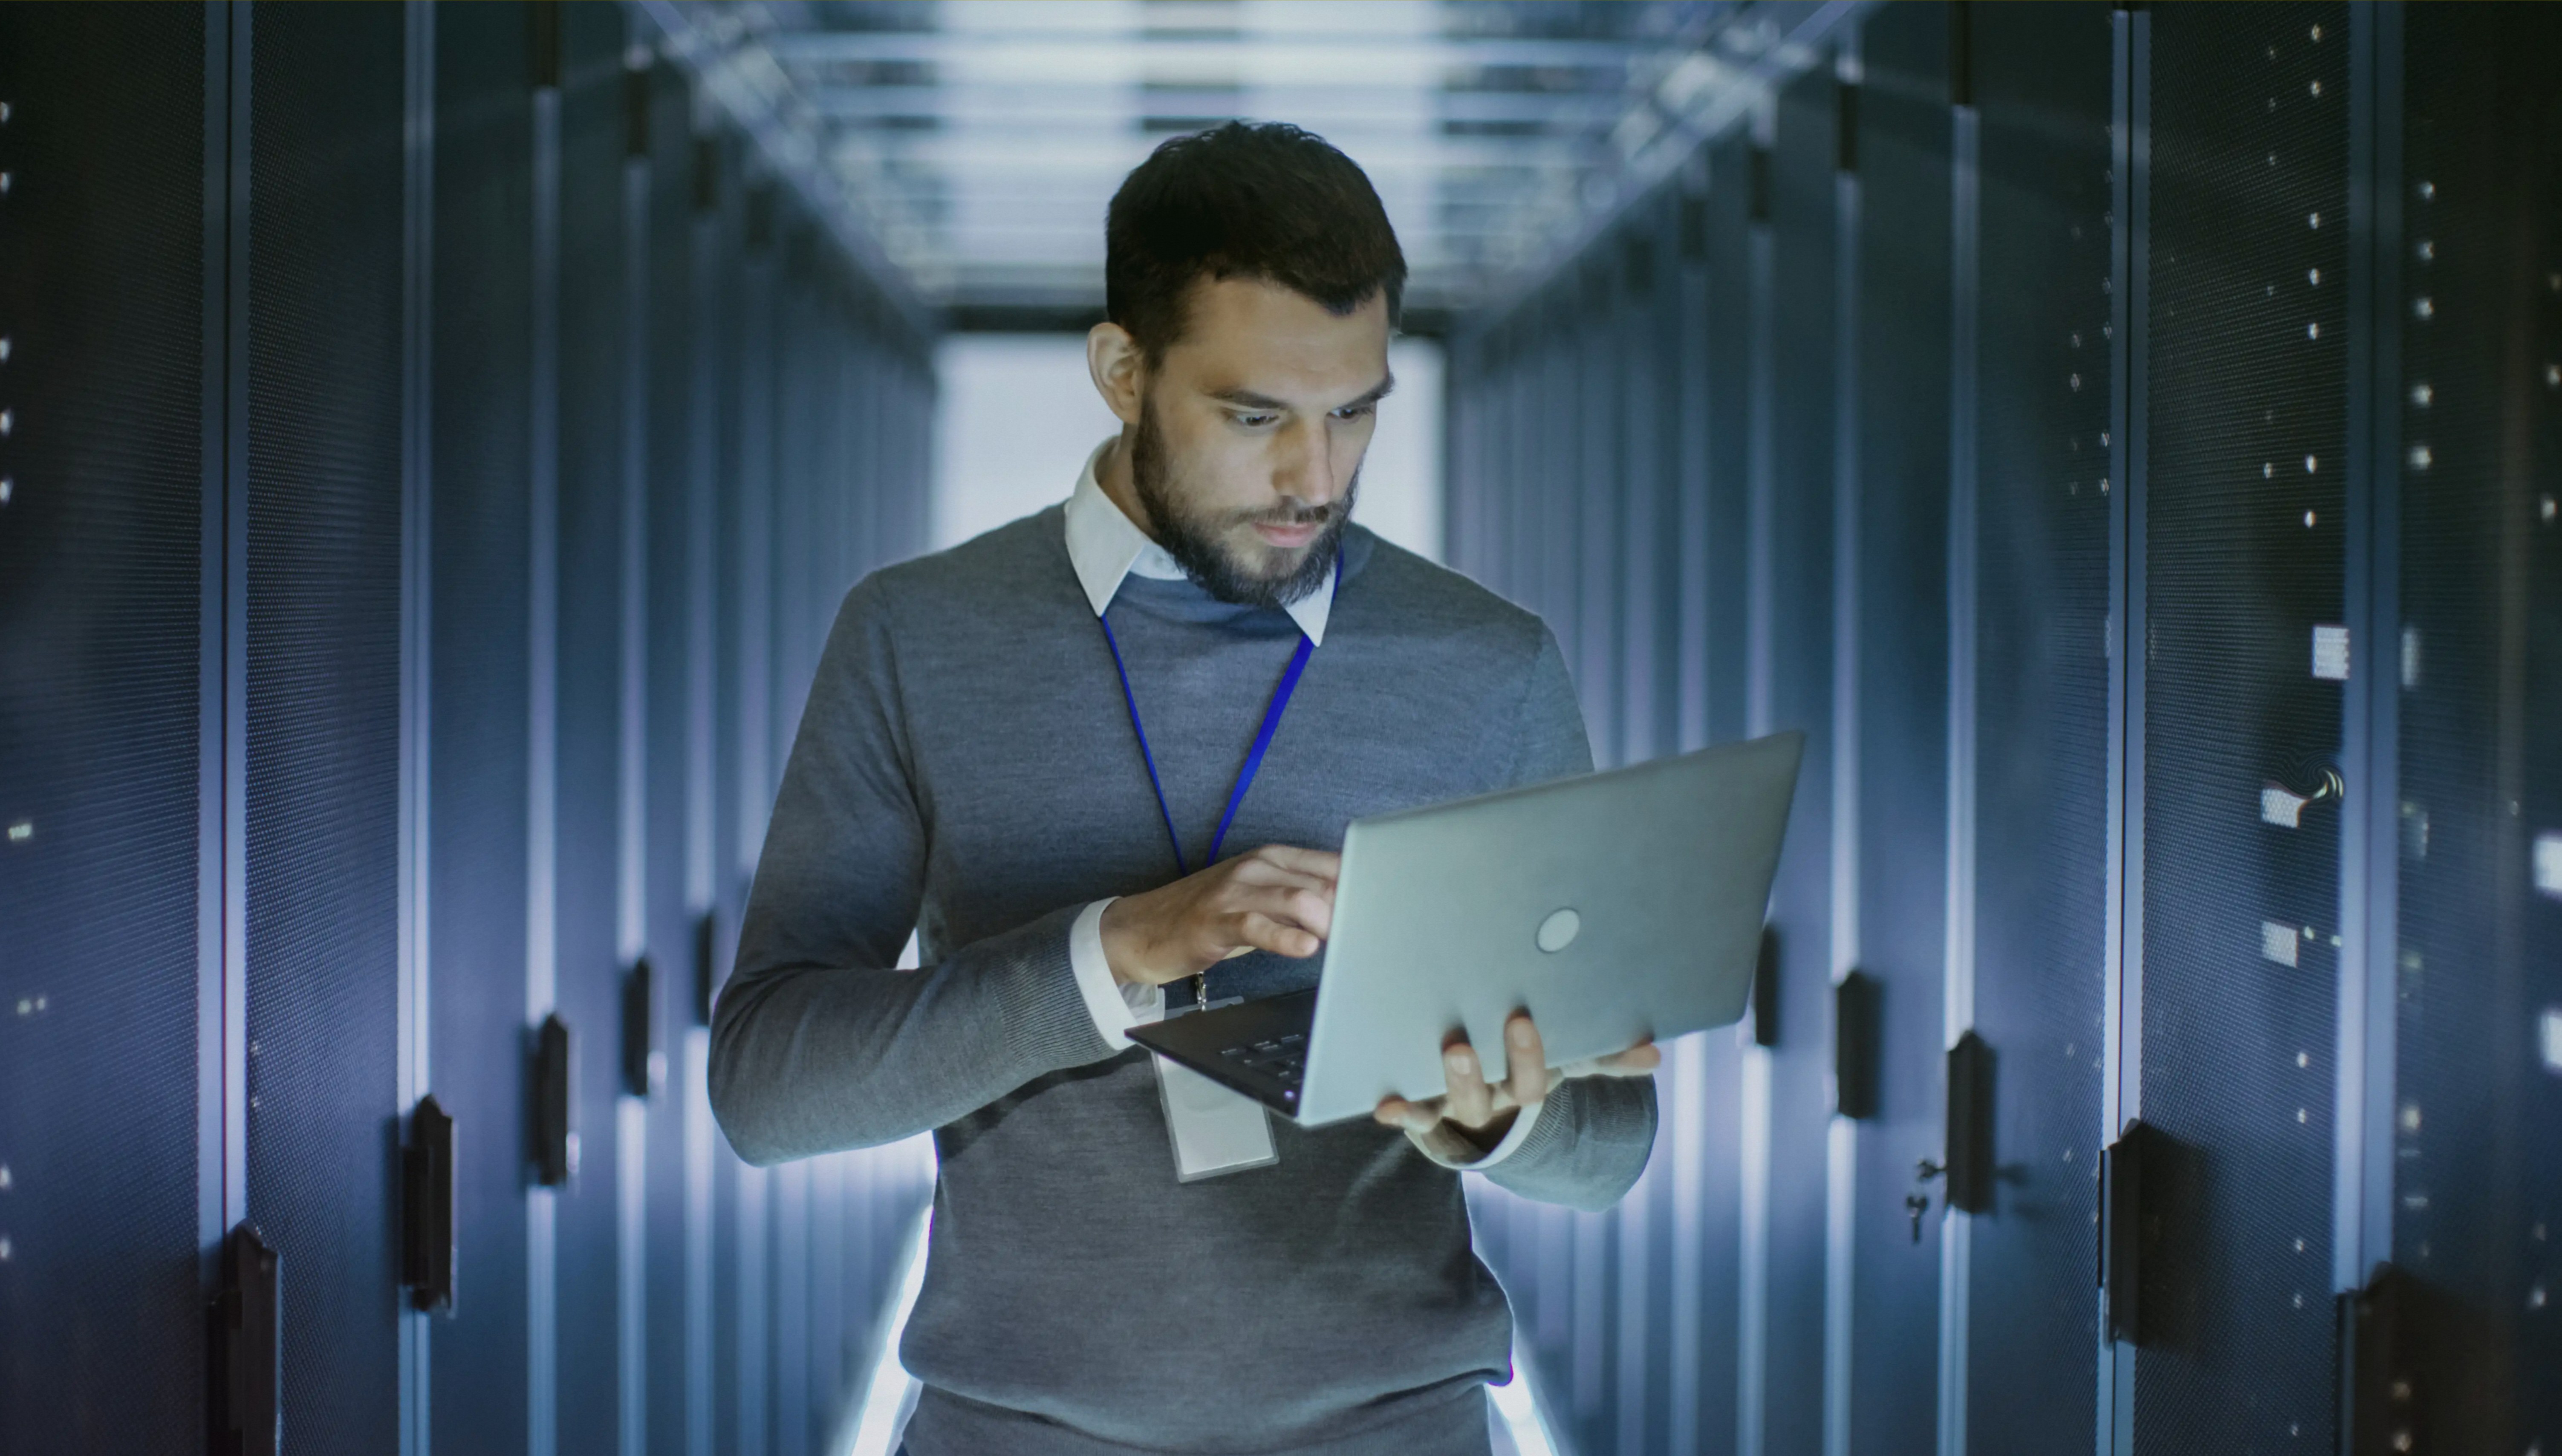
1033	747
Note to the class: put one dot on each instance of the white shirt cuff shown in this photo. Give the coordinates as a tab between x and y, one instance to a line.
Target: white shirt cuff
1447	1148
1115	1007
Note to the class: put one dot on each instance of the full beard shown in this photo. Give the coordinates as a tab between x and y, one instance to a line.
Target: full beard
1262	575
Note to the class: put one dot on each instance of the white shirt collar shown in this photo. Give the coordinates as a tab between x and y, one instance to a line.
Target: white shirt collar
1106	546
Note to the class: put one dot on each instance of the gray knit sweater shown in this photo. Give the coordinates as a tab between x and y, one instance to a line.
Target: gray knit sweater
966	767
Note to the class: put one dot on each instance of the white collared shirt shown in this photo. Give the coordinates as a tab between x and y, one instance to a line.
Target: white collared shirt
1105	547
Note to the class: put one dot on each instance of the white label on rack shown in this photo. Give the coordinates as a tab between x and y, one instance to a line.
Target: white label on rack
2331	653
2551	1025
2548	864
2280	808
2278	941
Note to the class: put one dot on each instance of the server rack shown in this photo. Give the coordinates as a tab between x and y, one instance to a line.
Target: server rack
2043	386
2467	811
595	343
663	147
2174	694
321	800
1894	509
481	513
329	455
1796	341
112	1101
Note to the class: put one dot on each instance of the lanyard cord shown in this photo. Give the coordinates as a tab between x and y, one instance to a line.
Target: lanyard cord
1272	712
1253	755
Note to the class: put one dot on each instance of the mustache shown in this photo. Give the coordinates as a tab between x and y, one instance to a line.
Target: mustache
1288	515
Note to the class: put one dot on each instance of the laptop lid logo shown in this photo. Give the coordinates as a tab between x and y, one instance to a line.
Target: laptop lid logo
1559	930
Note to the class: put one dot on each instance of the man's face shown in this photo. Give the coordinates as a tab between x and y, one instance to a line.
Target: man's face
1250	434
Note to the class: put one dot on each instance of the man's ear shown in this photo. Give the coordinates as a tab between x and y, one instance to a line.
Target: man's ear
1119	370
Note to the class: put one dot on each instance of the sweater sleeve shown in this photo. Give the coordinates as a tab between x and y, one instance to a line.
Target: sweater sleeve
818	1044
1594	1133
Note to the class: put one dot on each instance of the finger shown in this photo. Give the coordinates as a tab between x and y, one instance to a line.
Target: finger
1255	870
1633	1062
1527	1077
1255	930
1414	1117
1306	909
1469	1103
1323	863
1638	1061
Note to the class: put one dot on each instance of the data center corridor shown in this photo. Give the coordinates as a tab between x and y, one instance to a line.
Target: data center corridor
435	438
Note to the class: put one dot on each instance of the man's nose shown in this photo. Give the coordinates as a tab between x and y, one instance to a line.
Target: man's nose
1306	473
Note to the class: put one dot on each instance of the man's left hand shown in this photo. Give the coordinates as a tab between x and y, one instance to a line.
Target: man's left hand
1479	1113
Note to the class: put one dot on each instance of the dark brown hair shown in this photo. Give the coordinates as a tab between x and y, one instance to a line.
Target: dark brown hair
1263	200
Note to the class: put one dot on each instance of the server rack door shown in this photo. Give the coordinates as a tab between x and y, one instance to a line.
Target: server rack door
1703	1085
1515	550
1716	406
863	449
2477	832
669	715
1490	480
479	712
834	1287
791	474
1525	468
715	940
323	798
1595	488
1592	495
102	271
1896	602
2245	652
1462	504
1561	427
711	298
1650	522
593	342
792	1352
1648	683
1513	475
1500	478
2040	79
751	536
1798	511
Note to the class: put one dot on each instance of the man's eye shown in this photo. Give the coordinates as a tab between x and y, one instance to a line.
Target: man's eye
1255	422
1356	411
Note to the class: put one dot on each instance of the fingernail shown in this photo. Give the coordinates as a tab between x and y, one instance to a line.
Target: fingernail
1458	1061
1521	1033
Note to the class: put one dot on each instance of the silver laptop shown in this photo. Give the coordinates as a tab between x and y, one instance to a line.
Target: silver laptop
1612	907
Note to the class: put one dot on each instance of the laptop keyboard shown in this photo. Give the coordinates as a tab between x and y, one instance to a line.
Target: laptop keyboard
1282	1058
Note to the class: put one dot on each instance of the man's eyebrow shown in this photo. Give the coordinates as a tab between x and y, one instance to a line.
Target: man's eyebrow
1248	399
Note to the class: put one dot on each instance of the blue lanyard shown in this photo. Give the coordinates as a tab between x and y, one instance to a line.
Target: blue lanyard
1253	755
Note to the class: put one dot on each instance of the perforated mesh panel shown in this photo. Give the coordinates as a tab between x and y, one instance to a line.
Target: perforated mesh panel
102	261
1558	443
1802	287
324	659
1717	423
2477	1165
1901	332
738	1323
477	732
1597	500
669	701
594	347
2042	87
2248	425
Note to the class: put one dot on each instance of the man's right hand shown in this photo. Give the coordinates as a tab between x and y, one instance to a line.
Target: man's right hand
1277	898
